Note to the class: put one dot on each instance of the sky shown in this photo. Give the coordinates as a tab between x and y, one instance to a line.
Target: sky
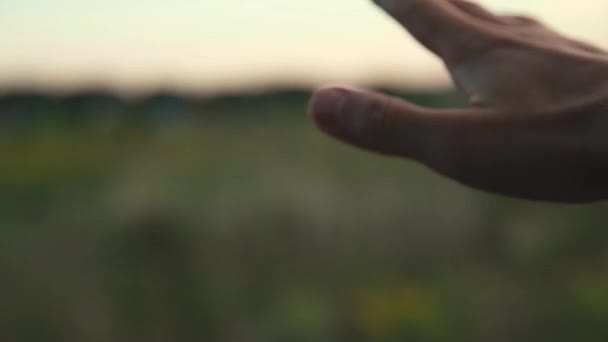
215	45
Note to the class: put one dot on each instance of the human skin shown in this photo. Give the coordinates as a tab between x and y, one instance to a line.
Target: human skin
537	128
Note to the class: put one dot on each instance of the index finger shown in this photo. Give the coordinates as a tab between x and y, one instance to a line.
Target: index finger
442	28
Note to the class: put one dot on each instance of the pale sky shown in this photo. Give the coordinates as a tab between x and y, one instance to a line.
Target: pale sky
204	45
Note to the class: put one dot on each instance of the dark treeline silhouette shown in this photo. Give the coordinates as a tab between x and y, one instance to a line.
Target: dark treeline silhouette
26	107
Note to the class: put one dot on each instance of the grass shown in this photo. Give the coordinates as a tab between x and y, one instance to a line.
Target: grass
252	226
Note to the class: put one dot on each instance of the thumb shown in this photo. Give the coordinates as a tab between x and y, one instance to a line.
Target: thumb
372	121
539	155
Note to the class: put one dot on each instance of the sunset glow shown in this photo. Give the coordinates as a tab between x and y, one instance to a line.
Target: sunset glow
208	45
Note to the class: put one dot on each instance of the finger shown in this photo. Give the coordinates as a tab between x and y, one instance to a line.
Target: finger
521	20
442	27
370	121
544	31
587	47
529	156
583	46
390	125
477	11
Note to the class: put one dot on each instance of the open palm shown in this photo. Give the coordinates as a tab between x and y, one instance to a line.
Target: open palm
538	126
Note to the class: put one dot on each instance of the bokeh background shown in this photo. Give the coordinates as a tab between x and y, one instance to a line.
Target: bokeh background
160	181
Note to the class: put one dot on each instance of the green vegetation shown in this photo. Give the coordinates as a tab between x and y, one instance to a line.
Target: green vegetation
233	219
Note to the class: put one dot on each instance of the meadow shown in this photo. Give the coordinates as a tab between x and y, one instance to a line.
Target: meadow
234	219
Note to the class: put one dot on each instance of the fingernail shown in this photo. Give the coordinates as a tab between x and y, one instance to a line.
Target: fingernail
328	105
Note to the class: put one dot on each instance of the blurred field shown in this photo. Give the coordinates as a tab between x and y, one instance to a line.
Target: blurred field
234	220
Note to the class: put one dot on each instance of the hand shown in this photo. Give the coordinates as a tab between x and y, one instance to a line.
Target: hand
538	128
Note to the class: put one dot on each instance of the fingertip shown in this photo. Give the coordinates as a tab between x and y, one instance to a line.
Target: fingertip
327	104
388	5
369	120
